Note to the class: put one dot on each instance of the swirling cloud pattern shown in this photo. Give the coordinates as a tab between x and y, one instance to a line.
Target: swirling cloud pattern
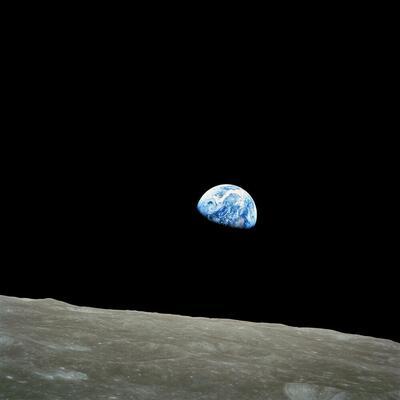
229	205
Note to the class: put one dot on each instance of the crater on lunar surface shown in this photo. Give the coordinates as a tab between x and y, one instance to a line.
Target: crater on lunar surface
51	350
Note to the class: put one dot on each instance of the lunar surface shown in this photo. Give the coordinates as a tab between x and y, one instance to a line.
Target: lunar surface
228	205
50	350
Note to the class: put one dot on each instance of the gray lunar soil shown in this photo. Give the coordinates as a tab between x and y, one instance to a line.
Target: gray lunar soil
50	350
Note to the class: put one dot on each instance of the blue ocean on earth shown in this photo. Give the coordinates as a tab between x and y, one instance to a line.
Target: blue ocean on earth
229	205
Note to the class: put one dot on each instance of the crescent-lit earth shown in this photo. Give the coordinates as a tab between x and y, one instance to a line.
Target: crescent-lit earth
229	205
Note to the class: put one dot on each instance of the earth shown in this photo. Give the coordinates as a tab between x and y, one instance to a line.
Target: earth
229	205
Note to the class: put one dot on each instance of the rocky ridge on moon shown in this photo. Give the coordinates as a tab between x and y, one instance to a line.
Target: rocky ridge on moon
51	350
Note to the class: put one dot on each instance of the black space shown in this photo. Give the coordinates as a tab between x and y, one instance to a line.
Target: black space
111	149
